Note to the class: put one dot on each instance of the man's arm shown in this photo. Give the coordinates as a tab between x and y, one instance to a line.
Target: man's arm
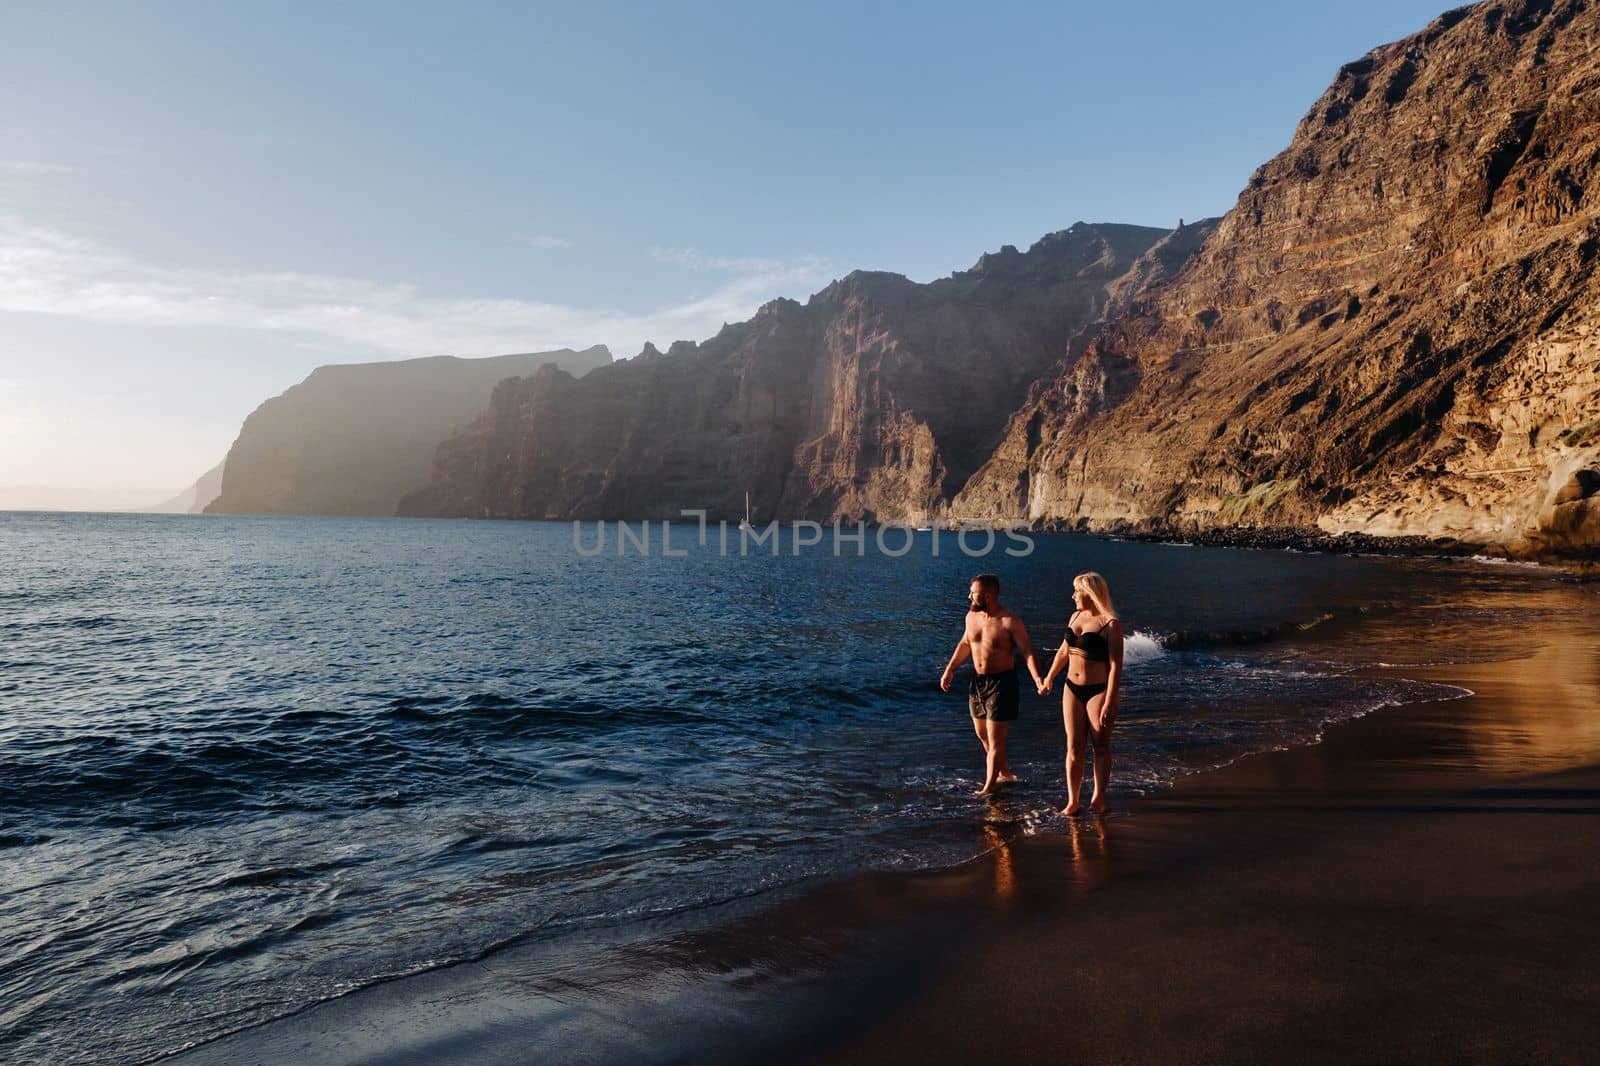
1056	666
1025	646
1063	654
962	653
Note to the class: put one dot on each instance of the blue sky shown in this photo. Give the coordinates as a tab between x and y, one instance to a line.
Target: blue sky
199	203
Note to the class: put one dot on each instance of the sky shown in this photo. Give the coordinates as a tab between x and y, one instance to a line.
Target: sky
201	202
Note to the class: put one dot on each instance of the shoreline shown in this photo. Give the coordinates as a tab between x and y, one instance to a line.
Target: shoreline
1312	540
1308	539
1414	887
1235	887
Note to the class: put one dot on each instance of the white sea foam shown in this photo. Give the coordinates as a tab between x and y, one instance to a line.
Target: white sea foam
1489	560
1140	647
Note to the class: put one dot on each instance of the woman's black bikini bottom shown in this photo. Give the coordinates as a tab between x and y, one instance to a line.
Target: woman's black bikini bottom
1086	692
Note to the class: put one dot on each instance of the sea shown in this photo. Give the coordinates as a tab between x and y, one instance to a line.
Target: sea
248	764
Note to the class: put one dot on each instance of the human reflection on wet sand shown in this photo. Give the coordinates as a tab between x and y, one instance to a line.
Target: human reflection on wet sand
1089	843
1085	863
998	839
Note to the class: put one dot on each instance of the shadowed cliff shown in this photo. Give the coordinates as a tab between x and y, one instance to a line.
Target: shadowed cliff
878	397
351	439
195	498
1393	332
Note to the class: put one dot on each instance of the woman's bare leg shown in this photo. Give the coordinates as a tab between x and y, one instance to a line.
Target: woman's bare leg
1101	733
1072	714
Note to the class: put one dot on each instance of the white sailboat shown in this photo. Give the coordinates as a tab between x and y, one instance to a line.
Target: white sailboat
745	524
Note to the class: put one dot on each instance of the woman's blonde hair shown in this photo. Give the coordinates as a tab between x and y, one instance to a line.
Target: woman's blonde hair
1095	585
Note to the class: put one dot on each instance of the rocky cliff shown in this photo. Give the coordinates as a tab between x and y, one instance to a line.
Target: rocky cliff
352	439
878	397
194	499
1396	330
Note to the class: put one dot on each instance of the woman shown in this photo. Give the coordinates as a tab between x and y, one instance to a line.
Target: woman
1092	657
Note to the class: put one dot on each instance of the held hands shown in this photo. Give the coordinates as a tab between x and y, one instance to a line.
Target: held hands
1043	684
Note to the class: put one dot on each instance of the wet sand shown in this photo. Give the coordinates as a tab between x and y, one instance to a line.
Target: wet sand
1424	885
1418	887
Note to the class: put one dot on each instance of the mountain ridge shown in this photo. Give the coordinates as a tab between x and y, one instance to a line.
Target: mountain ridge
353	438
1392	332
876	397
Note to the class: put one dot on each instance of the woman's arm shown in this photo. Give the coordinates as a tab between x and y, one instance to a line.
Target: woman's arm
1114	675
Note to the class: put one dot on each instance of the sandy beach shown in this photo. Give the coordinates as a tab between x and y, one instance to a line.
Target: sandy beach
1422	885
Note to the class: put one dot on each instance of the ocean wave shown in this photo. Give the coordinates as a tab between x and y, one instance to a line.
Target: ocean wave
1142	647
1324	623
396	748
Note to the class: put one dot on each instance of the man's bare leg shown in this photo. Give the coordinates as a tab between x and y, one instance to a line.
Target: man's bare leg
996	749
1072	714
998	732
980	726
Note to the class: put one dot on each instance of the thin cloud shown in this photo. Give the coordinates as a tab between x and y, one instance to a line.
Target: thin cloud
47	271
33	168
694	259
546	242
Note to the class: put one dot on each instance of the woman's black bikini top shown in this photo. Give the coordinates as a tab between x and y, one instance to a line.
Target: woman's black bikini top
1092	646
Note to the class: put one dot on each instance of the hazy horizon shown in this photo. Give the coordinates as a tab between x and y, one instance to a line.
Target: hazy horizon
197	210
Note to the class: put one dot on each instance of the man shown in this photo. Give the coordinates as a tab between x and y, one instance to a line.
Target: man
991	638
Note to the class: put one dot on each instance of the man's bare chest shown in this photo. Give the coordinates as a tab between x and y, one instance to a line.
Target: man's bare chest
990	635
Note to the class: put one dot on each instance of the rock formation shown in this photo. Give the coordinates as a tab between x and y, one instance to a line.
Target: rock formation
1392	334
194	499
352	439
879	397
1395	331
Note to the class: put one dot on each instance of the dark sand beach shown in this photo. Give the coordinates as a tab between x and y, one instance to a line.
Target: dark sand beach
1422	885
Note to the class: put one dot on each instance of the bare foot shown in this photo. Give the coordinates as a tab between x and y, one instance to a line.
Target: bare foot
1097	805
988	791
1072	808
1006	778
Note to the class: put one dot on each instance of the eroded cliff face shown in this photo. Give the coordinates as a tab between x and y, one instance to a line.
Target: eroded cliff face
194	499
878	398
352	439
1396	330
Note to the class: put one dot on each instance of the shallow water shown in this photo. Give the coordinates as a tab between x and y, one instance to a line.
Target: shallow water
250	763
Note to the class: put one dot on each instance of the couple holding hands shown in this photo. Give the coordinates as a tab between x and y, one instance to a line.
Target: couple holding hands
1091	654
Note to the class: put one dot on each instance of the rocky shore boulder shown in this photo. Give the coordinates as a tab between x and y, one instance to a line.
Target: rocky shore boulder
1570	522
